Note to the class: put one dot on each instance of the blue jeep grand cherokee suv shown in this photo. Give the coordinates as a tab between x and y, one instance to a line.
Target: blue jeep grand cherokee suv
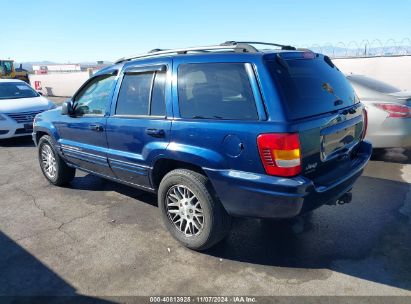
218	131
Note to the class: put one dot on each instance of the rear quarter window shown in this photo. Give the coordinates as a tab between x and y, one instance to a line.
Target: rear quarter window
215	91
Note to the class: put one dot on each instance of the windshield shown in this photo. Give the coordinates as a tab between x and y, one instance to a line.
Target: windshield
310	86
6	67
14	90
373	84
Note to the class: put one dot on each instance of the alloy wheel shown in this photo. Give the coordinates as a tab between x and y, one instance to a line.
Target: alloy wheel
48	161
184	210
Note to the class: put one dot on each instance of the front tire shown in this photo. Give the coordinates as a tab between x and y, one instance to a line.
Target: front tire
52	165
191	211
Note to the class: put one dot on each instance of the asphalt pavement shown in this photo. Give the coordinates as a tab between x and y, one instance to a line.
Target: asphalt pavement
99	238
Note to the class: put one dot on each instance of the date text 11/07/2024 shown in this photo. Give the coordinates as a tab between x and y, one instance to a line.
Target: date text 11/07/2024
203	299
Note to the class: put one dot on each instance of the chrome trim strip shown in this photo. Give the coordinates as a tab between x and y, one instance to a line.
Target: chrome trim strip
128	163
115	179
83	153
132	171
90	160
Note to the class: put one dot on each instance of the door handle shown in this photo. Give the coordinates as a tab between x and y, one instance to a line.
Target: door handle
96	127
155	132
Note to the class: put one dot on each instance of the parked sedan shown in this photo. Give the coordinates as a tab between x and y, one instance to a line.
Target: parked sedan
389	112
19	104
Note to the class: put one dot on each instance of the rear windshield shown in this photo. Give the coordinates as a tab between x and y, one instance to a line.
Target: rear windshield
14	90
310	86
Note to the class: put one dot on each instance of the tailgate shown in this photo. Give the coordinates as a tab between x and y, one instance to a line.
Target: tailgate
321	106
331	143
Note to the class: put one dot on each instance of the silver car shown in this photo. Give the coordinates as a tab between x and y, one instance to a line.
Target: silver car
388	109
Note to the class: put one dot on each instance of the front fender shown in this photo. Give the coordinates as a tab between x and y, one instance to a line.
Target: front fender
44	126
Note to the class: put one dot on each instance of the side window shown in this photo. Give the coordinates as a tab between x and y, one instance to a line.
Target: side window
94	98
216	91
142	94
7	67
158	101
134	94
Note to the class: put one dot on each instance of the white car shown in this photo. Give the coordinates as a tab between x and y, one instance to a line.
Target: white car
389	112
19	104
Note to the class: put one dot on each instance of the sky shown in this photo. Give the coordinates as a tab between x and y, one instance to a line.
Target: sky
90	30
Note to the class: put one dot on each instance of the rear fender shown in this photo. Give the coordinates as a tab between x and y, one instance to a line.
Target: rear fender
198	156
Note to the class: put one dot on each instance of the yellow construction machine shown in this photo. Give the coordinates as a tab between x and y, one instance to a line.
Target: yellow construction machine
7	71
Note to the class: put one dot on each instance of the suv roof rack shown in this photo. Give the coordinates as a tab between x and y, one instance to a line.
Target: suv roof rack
236	46
243	43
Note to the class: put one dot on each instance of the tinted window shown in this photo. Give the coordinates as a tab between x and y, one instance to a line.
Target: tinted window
94	98
311	86
215	90
6	67
135	92
12	90
373	84
158	98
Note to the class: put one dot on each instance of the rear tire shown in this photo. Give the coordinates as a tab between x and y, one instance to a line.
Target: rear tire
52	165
191	211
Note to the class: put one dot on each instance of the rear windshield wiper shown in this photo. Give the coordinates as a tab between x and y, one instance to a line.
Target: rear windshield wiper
328	61
281	61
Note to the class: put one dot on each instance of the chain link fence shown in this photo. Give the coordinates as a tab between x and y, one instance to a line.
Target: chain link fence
365	48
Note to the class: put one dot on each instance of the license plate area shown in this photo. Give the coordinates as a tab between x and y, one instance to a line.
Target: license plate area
340	139
28	127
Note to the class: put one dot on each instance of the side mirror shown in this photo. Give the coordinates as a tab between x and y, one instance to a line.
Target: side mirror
67	108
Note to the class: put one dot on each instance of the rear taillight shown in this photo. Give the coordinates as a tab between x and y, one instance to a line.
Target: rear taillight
395	110
280	153
365	123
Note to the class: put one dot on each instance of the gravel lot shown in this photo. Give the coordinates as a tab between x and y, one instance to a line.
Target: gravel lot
99	238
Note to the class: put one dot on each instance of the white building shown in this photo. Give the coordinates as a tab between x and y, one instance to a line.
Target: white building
56	68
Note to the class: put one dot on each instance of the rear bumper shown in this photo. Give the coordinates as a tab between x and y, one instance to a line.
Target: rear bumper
264	196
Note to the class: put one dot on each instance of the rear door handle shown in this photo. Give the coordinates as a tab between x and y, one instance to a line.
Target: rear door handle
96	127
155	132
